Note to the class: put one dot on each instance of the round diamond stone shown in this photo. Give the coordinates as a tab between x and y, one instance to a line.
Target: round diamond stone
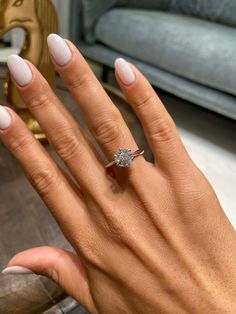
123	157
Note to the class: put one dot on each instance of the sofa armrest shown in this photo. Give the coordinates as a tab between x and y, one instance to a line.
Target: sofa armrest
92	10
84	15
76	21
144	4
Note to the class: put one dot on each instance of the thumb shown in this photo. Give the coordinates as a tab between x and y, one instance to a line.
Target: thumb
63	267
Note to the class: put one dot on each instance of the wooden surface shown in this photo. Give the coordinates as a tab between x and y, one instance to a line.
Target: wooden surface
26	222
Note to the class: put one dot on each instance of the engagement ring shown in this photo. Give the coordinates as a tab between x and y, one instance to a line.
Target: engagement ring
123	157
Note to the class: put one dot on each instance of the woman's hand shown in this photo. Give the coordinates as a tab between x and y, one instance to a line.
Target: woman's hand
151	238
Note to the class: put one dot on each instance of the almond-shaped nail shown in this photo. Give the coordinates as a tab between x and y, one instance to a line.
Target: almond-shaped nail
5	118
19	70
59	49
124	71
17	270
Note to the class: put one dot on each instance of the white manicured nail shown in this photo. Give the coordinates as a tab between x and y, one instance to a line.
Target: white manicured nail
124	71
5	118
19	70
17	270
59	49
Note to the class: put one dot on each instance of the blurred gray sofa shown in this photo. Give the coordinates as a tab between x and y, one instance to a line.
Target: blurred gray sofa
185	47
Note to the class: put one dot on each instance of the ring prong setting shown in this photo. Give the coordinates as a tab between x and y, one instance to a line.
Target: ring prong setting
123	157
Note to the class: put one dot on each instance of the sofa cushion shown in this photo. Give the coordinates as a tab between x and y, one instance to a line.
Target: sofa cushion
195	49
222	11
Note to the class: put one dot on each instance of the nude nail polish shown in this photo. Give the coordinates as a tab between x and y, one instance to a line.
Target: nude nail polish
124	71
17	270
5	118
19	70
59	49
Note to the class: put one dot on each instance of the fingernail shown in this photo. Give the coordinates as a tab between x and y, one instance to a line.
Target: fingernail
19	70
5	118
17	270
59	49
124	71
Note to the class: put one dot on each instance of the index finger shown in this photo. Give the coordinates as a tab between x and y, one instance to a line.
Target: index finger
65	203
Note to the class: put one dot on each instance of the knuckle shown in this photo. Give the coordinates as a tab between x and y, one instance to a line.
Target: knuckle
20	143
195	186
43	180
77	82
39	101
118	231
89	250
54	274
107	131
54	268
160	128
67	145
160	131
115	226
144	101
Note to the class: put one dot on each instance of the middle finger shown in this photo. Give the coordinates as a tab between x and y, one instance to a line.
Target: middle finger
103	118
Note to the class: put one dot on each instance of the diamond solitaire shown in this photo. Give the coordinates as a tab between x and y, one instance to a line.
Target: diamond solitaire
123	157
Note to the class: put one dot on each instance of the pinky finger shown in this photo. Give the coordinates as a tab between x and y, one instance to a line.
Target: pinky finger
159	127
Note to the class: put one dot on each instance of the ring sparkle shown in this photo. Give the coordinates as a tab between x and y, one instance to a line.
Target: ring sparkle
123	157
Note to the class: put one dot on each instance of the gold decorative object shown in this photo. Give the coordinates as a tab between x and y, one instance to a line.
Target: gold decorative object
38	18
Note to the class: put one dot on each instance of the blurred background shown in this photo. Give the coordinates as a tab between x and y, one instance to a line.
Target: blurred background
186	48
